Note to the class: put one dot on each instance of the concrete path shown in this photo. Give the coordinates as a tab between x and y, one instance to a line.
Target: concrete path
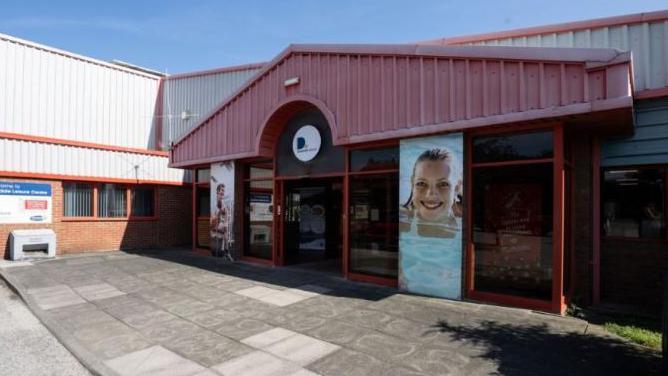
26	346
176	313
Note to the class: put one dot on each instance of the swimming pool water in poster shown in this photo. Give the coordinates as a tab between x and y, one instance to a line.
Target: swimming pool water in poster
430	220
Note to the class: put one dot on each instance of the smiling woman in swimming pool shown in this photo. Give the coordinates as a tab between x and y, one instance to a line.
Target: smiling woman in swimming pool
433	192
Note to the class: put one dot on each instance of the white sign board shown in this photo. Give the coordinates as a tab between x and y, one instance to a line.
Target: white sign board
25	203
306	143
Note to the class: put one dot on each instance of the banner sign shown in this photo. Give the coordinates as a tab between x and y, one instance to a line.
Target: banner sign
430	219
25	203
222	209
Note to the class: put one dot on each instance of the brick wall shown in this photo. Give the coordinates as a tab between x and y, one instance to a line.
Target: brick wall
172	228
581	217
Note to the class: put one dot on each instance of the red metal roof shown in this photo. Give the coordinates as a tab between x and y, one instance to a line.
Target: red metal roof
376	92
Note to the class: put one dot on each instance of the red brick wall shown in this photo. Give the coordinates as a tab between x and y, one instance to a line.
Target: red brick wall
172	228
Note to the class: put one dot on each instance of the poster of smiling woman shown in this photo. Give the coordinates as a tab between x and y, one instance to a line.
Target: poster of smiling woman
430	220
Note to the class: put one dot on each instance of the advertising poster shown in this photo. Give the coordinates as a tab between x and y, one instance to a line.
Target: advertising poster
430	219
222	209
25	203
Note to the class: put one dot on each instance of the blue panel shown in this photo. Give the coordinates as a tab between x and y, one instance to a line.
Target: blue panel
649	144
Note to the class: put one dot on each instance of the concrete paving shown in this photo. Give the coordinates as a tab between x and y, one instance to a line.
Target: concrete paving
177	313
26	346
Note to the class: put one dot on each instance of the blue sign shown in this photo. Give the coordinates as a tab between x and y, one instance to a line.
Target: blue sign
25	189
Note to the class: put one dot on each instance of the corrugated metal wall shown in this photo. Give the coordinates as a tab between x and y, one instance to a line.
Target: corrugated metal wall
198	96
648	41
402	91
649	145
51	93
40	158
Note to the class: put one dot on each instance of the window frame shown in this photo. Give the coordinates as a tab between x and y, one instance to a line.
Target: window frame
663	167
128	204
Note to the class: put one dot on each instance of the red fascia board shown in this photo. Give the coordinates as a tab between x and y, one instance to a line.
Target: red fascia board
81	144
97	179
207	72
555	28
599	56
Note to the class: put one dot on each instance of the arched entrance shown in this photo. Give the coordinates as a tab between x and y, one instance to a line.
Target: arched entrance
294	194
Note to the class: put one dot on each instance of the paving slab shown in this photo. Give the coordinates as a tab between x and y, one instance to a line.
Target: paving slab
154	360
179	313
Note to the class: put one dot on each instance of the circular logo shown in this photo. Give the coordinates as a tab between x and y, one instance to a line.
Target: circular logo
306	143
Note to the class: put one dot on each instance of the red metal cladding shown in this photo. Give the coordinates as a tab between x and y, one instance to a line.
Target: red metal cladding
371	93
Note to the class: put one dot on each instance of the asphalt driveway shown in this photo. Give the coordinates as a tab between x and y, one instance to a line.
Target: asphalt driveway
177	313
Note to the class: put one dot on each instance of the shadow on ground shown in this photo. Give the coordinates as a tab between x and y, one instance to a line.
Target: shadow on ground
285	277
535	350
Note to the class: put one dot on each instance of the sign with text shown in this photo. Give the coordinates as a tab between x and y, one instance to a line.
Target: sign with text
25	203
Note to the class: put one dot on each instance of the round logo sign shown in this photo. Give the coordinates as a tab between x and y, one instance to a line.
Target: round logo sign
306	143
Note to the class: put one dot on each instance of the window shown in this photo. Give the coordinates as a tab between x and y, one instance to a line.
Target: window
259	209
633	203
514	147
78	200
373	212
101	201
143	202
512	197
111	201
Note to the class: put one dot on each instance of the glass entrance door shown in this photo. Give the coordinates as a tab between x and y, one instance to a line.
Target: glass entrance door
312	223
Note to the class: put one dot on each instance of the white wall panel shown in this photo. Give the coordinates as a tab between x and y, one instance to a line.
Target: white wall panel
41	158
197	95
648	42
52	93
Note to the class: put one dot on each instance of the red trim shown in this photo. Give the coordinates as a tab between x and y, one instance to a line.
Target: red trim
558	302
509	300
256	260
81	144
555	28
468	192
512	163
128	207
345	256
202	251
392	282
651	93
97	179
596	218
207	72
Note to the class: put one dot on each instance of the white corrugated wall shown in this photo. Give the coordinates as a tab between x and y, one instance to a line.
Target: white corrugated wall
648	42
196	95
41	158
51	93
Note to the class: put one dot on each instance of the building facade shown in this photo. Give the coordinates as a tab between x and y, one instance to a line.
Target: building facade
525	167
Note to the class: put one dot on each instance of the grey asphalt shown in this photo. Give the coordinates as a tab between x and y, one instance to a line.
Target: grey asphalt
26	346
177	313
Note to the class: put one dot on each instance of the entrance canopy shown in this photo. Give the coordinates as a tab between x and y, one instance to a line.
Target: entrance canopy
379	92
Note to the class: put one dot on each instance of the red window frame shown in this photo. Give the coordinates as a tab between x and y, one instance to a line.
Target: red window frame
128	204
557	303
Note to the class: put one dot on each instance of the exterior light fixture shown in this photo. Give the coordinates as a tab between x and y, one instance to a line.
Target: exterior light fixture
291	81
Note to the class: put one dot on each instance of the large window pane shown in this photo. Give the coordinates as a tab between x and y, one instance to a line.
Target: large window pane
111	201
203	175
512	230
633	203
143	202
512	147
374	232
77	200
259	218
374	159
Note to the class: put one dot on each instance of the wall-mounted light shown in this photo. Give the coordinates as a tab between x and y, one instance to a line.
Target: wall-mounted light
186	114
291	81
